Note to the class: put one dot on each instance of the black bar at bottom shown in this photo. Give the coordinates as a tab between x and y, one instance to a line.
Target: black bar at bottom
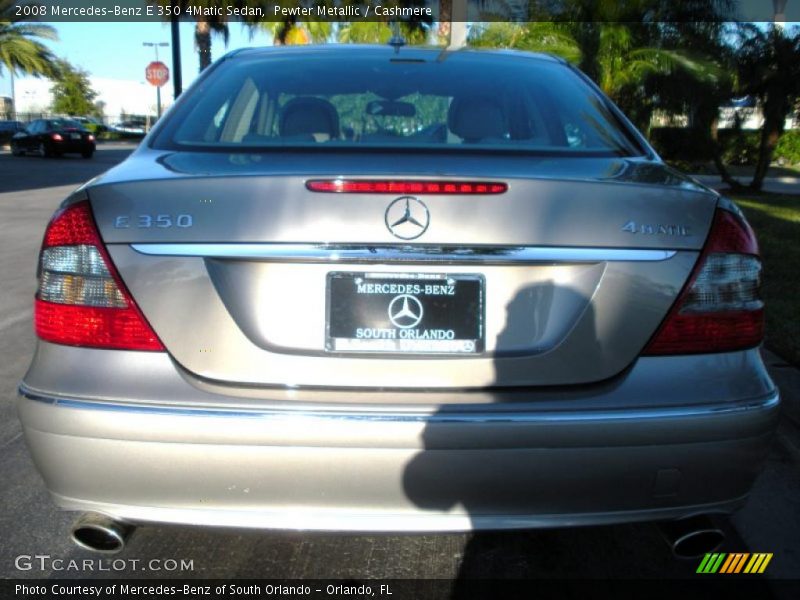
729	587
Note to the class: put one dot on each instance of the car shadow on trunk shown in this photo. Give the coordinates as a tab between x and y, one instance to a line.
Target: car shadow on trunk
498	477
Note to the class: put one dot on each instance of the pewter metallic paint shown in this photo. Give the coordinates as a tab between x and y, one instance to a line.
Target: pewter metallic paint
247	421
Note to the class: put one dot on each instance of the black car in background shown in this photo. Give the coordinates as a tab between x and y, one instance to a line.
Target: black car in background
8	129
53	137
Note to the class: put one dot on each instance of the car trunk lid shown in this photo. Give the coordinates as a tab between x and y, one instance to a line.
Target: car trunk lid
576	264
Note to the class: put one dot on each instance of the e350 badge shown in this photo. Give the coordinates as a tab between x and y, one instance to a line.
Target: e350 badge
148	221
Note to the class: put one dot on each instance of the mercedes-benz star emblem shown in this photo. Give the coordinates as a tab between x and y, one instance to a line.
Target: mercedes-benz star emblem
405	311
407	218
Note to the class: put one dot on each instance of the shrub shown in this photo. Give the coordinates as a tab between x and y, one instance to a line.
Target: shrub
788	149
680	144
739	147
110	136
687	146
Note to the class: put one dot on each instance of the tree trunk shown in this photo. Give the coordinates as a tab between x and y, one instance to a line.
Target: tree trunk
283	32
775	110
588	36
445	17
202	40
458	24
716	155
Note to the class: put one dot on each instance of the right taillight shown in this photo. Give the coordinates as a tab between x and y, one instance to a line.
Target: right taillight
720	308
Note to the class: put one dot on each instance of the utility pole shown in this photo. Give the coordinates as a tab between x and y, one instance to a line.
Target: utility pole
779	13
155	46
177	78
13	115
458	25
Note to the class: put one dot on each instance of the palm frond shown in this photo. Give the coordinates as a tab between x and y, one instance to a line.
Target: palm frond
20	50
365	32
39	30
533	37
551	38
655	60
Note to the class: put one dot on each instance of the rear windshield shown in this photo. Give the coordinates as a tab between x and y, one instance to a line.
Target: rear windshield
64	124
491	102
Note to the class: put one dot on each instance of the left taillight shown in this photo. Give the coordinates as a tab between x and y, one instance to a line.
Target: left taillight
81	300
720	309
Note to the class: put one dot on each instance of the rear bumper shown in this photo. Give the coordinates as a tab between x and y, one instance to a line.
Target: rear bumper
73	146
382	469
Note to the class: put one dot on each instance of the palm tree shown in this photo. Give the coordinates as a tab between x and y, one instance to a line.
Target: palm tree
536	36
203	29
364	32
621	63
414	31
380	32
445	18
290	32
20	50
681	94
206	24
769	69
614	53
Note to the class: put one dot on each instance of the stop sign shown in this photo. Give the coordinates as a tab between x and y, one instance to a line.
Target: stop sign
157	73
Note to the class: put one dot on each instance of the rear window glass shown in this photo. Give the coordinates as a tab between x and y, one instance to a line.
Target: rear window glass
64	124
458	101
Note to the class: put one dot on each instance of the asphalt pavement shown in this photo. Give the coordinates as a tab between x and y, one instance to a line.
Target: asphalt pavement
31	188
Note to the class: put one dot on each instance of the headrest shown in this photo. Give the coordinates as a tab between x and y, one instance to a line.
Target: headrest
306	115
474	118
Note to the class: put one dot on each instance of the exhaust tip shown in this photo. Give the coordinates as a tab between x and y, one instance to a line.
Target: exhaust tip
99	533
698	543
692	537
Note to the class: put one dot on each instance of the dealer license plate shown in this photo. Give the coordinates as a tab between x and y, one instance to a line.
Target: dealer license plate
405	313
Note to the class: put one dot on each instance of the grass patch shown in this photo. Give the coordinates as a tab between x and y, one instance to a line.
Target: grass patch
776	220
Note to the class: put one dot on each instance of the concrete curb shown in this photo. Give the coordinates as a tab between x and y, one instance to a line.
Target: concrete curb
787	378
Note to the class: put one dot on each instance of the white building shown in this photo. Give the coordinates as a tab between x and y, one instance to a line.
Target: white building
118	95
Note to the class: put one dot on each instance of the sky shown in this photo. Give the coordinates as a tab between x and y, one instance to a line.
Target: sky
115	51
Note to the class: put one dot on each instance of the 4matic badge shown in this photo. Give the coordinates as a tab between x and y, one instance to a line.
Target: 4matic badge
656	229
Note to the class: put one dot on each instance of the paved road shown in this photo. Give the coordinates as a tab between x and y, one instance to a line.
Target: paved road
30	188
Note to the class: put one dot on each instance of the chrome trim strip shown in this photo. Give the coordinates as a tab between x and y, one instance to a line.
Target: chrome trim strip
768	402
335	253
307	519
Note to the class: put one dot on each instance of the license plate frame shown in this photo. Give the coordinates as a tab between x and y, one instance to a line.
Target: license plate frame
462	307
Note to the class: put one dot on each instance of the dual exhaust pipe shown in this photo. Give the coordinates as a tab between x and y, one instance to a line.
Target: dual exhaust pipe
687	538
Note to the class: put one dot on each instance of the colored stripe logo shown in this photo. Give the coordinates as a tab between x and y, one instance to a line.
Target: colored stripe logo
735	562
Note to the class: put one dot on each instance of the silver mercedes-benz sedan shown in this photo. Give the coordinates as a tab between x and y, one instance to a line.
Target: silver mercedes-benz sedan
376	288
